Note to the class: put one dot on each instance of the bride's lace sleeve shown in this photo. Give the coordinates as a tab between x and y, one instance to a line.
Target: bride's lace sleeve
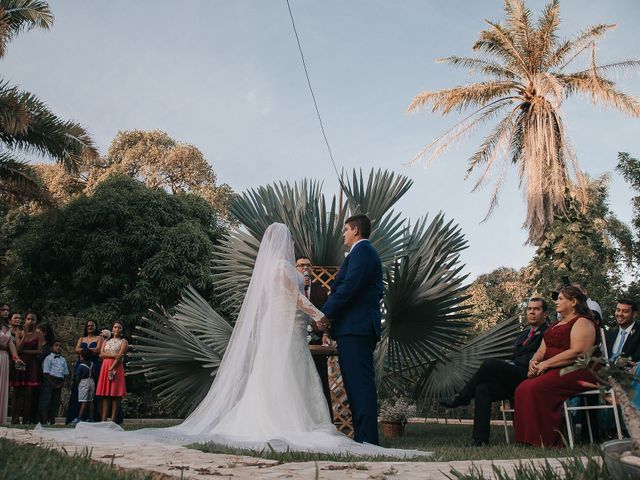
303	304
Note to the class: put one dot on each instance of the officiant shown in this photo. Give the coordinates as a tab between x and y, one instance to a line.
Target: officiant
317	295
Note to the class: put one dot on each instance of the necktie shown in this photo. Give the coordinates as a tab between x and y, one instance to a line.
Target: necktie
616	354
531	332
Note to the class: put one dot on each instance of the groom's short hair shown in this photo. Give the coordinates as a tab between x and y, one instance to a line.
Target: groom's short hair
362	222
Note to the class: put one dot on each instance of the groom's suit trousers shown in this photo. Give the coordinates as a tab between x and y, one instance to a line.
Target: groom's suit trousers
355	355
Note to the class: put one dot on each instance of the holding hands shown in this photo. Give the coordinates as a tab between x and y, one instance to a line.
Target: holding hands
321	325
537	368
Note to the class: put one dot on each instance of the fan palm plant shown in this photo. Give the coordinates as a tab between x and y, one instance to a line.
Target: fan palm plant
27	124
423	317
527	64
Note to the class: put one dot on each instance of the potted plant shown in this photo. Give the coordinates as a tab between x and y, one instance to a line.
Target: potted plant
394	414
622	376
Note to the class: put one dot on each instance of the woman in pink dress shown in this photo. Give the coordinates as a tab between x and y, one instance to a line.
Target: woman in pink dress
7	347
538	400
111	383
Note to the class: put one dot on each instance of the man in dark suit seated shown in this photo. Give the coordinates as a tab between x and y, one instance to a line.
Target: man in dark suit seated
624	339
497	379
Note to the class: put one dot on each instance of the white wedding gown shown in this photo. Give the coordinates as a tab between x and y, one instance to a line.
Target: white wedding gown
267	393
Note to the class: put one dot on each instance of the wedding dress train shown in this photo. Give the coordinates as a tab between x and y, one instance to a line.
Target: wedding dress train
267	393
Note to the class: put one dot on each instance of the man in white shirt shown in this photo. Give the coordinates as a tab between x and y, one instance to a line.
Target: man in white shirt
624	340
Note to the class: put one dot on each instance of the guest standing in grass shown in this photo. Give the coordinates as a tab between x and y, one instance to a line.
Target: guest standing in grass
55	370
111	383
30	344
90	341
7	347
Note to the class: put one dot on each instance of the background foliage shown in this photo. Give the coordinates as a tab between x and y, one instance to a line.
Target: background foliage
112	254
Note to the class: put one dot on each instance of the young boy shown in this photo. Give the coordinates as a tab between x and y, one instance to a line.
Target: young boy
85	373
55	371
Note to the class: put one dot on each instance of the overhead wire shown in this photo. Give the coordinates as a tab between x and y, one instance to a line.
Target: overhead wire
313	96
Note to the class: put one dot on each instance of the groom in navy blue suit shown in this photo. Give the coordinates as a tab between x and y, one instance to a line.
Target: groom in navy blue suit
353	311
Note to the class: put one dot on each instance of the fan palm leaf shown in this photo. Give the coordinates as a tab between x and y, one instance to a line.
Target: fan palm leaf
180	354
450	374
525	61
423	318
375	197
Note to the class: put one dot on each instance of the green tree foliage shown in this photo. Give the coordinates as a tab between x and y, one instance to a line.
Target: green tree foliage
585	243
159	161
496	296
113	254
629	167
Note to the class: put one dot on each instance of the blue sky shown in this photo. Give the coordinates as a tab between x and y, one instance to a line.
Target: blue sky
226	76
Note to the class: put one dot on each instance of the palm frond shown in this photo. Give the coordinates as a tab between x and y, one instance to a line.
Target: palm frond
462	97
375	198
475	65
382	190
462	129
14	117
20	181
316	230
616	66
179	354
600	90
449	375
234	261
20	15
499	41
545	36
569	50
65	141
423	318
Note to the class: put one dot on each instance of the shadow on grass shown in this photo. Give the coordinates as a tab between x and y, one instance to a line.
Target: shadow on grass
448	442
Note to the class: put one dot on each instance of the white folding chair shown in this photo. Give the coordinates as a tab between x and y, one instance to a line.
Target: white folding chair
506	407
614	404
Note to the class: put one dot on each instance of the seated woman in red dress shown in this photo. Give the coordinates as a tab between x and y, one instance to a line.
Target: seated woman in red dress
538	400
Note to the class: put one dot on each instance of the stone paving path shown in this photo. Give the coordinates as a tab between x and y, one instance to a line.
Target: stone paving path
187	463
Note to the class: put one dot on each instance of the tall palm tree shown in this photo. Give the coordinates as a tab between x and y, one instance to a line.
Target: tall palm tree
27	125
423	317
527	63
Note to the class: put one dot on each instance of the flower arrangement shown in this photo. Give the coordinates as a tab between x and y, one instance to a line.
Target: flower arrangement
397	410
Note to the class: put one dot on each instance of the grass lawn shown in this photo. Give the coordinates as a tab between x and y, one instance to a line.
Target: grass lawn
448	442
57	465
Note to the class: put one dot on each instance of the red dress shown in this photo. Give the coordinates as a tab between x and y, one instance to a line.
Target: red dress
117	386
30	376
538	400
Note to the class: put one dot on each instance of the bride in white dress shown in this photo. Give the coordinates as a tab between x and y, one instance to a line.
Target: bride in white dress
267	392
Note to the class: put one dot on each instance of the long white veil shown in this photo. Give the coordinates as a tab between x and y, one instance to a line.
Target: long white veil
267	391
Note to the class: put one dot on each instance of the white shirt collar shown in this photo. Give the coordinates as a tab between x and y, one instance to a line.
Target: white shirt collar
354	245
628	329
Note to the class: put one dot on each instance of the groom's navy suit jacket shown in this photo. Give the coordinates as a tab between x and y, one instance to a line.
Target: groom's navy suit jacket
354	304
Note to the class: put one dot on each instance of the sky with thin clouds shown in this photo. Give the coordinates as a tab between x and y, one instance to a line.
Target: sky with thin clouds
226	76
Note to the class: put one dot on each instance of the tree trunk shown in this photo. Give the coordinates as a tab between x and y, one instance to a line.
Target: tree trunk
630	414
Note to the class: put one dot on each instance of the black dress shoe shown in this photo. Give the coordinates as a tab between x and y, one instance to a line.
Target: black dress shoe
452	402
